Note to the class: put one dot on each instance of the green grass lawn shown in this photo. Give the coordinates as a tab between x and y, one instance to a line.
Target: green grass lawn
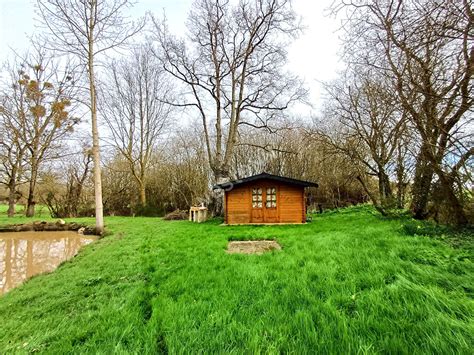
41	212
348	282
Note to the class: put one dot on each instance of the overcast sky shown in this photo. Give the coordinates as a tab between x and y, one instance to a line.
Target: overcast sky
314	56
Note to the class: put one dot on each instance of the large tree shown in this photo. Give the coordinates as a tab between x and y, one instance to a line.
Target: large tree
87	29
426	49
36	117
136	112
64	194
369	126
232	69
12	150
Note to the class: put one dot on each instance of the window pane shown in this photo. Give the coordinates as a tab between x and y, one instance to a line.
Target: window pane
271	197
257	197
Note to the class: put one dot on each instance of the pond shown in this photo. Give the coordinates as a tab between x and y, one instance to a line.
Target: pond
24	254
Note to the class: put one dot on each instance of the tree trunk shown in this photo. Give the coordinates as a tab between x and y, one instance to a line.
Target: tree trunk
142	194
376	203
385	190
221	176
30	206
11	203
30	203
70	208
421	186
453	204
12	194
99	208
400	193
421	190
400	170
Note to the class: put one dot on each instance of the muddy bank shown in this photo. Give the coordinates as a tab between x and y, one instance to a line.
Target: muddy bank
43	226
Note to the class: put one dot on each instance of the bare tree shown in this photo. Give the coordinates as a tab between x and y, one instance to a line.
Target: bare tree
182	174
427	50
404	165
119	188
87	29
39	116
232	69
12	150
64	196
297	151
370	127
136	112
274	151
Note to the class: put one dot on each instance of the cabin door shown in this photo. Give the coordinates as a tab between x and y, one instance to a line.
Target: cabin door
270	205
264	204
257	205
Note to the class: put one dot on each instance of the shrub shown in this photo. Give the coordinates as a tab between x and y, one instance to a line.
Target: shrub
457	236
177	215
147	211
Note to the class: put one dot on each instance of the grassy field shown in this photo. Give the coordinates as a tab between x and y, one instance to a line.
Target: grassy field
349	282
41	212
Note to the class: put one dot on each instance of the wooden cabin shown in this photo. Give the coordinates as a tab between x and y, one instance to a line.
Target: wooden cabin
265	198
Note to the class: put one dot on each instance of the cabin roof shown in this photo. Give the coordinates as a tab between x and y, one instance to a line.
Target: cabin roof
230	184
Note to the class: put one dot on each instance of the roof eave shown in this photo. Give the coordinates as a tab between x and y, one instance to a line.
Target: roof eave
262	176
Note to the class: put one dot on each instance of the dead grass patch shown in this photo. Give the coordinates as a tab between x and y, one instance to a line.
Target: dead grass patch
252	246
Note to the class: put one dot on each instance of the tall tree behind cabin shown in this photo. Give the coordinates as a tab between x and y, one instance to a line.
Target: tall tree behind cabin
232	69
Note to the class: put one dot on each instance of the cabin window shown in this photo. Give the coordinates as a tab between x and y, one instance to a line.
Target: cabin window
271	201
257	201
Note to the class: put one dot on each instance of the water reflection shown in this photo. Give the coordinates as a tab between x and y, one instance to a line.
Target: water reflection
24	254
